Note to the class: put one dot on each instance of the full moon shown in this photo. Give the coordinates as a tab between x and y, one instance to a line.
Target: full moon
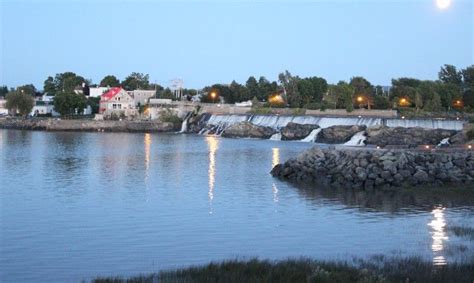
443	4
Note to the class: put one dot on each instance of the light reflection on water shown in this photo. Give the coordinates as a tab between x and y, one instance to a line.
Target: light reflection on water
213	145
76	205
438	233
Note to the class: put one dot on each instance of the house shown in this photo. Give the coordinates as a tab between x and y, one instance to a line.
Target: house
141	96
117	101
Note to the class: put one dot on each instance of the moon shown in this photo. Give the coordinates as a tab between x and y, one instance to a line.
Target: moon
443	4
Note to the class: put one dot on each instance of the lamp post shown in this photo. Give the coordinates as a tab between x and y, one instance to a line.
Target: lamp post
213	96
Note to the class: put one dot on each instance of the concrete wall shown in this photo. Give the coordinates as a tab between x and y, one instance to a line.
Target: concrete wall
183	107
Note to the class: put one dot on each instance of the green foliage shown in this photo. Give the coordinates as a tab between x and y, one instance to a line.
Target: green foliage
449	75
136	81
434	104
468	98
166	94
170	116
49	86
65	82
19	101
468	77
27	89
94	103
69	102
3	91
376	269
312	89
470	134
381	102
252	88
109	81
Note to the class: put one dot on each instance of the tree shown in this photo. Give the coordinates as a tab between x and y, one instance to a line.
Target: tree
109	81
94	103
343	92
239	92
449	74
468	98
468	77
27	89
381	102
19	101
252	87
49	87
418	101
312	89
166	94
289	84
448	92
434	104
363	88
67	81
3	91
136	81
69	103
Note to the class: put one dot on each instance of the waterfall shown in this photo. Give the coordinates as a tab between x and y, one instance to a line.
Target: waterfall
276	137
184	125
216	124
444	142
312	136
426	123
357	139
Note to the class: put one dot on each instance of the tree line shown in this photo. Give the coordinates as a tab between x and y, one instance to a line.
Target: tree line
454	89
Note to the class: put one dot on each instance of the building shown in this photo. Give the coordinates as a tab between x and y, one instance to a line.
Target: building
117	101
97	91
3	109
141	96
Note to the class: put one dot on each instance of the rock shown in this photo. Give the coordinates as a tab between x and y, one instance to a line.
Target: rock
338	134
343	168
294	131
421	176
459	138
411	137
248	130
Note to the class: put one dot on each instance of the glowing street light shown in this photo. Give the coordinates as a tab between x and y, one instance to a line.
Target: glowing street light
213	95
360	99
403	102
276	99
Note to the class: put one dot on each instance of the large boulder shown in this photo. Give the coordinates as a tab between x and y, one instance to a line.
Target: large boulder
338	134
295	131
248	130
411	137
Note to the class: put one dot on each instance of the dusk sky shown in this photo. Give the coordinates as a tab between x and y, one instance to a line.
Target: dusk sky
210	42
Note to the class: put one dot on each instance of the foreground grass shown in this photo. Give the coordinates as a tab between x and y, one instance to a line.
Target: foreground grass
375	269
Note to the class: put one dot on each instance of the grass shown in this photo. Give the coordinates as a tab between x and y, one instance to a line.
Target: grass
374	269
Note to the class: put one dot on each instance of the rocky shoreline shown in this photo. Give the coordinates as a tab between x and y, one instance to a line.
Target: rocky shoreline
377	169
87	125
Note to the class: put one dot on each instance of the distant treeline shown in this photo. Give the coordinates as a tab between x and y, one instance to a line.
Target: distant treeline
454	89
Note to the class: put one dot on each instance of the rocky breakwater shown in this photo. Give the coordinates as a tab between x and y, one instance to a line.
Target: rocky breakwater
248	130
295	131
374	169
87	125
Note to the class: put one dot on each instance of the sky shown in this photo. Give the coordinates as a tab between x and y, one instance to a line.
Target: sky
206	42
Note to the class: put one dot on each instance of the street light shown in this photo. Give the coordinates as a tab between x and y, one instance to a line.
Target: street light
360	99
213	96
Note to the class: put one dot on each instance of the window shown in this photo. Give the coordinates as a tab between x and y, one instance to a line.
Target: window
114	106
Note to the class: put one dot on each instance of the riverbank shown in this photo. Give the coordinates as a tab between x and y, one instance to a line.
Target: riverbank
87	125
376	168
375	269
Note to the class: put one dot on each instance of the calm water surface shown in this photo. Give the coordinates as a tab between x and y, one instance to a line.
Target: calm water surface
77	205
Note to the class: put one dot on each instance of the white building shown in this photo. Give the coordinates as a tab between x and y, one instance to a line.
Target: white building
141	96
3	110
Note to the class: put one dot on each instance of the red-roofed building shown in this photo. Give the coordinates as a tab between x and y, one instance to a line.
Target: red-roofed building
117	101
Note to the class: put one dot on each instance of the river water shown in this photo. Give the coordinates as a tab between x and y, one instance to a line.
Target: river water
77	205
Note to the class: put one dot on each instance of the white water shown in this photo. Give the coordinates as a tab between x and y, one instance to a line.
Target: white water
312	136
184	126
221	122
357	139
444	141
276	137
426	123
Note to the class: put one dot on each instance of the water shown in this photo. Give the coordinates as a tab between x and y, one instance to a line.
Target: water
357	140
78	205
312	136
